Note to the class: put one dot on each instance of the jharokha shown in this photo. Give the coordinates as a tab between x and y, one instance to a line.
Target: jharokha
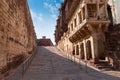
85	28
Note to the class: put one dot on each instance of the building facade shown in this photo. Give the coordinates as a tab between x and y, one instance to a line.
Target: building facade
44	41
17	35
86	24
61	38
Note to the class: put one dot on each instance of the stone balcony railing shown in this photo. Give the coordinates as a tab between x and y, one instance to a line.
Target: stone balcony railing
92	19
78	27
94	1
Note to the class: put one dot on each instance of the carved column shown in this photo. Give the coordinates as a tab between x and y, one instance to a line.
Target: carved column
98	9
82	13
85	52
79	50
94	43
75	49
86	11
106	12
95	46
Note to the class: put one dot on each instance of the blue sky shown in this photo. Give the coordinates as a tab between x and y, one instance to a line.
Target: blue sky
44	14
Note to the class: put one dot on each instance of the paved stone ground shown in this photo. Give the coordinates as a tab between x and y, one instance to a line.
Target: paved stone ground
51	64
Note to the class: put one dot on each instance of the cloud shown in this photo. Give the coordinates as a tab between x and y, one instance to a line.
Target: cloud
44	20
37	16
52	7
37	20
44	26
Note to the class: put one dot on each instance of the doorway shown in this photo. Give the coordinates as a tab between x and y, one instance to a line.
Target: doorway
82	51
89	51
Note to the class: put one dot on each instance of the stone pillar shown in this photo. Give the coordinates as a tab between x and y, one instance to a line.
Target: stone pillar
94	42
75	49
86	11
79	50
95	47
82	13
106	12
98	9
85	52
92	47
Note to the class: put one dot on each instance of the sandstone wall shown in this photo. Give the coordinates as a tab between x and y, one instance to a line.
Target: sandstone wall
17	35
113	46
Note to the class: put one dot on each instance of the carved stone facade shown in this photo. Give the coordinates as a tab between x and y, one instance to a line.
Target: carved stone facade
17	35
61	36
86	23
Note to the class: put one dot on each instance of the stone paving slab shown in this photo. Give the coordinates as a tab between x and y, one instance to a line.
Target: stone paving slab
51	64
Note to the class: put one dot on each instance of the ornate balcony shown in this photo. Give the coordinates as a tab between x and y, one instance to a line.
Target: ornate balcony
91	16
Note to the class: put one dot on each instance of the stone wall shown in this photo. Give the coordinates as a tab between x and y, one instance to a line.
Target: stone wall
112	36
17	35
113	46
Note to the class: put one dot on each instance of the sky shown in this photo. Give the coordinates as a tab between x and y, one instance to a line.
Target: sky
44	15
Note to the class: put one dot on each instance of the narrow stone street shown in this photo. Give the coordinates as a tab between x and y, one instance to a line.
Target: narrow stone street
50	64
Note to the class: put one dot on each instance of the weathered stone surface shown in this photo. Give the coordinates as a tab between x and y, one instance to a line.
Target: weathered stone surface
17	35
86	27
113	46
86	22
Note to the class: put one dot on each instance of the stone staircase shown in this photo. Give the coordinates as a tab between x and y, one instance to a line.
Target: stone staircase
112	47
104	65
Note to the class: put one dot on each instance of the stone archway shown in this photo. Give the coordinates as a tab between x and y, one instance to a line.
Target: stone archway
82	51
73	52
77	50
89	51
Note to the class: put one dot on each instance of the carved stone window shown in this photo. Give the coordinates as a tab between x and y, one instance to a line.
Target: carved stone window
80	17
71	27
75	22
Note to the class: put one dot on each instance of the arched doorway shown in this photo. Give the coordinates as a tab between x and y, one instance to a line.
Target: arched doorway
82	51
77	50
89	51
101	49
73	52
